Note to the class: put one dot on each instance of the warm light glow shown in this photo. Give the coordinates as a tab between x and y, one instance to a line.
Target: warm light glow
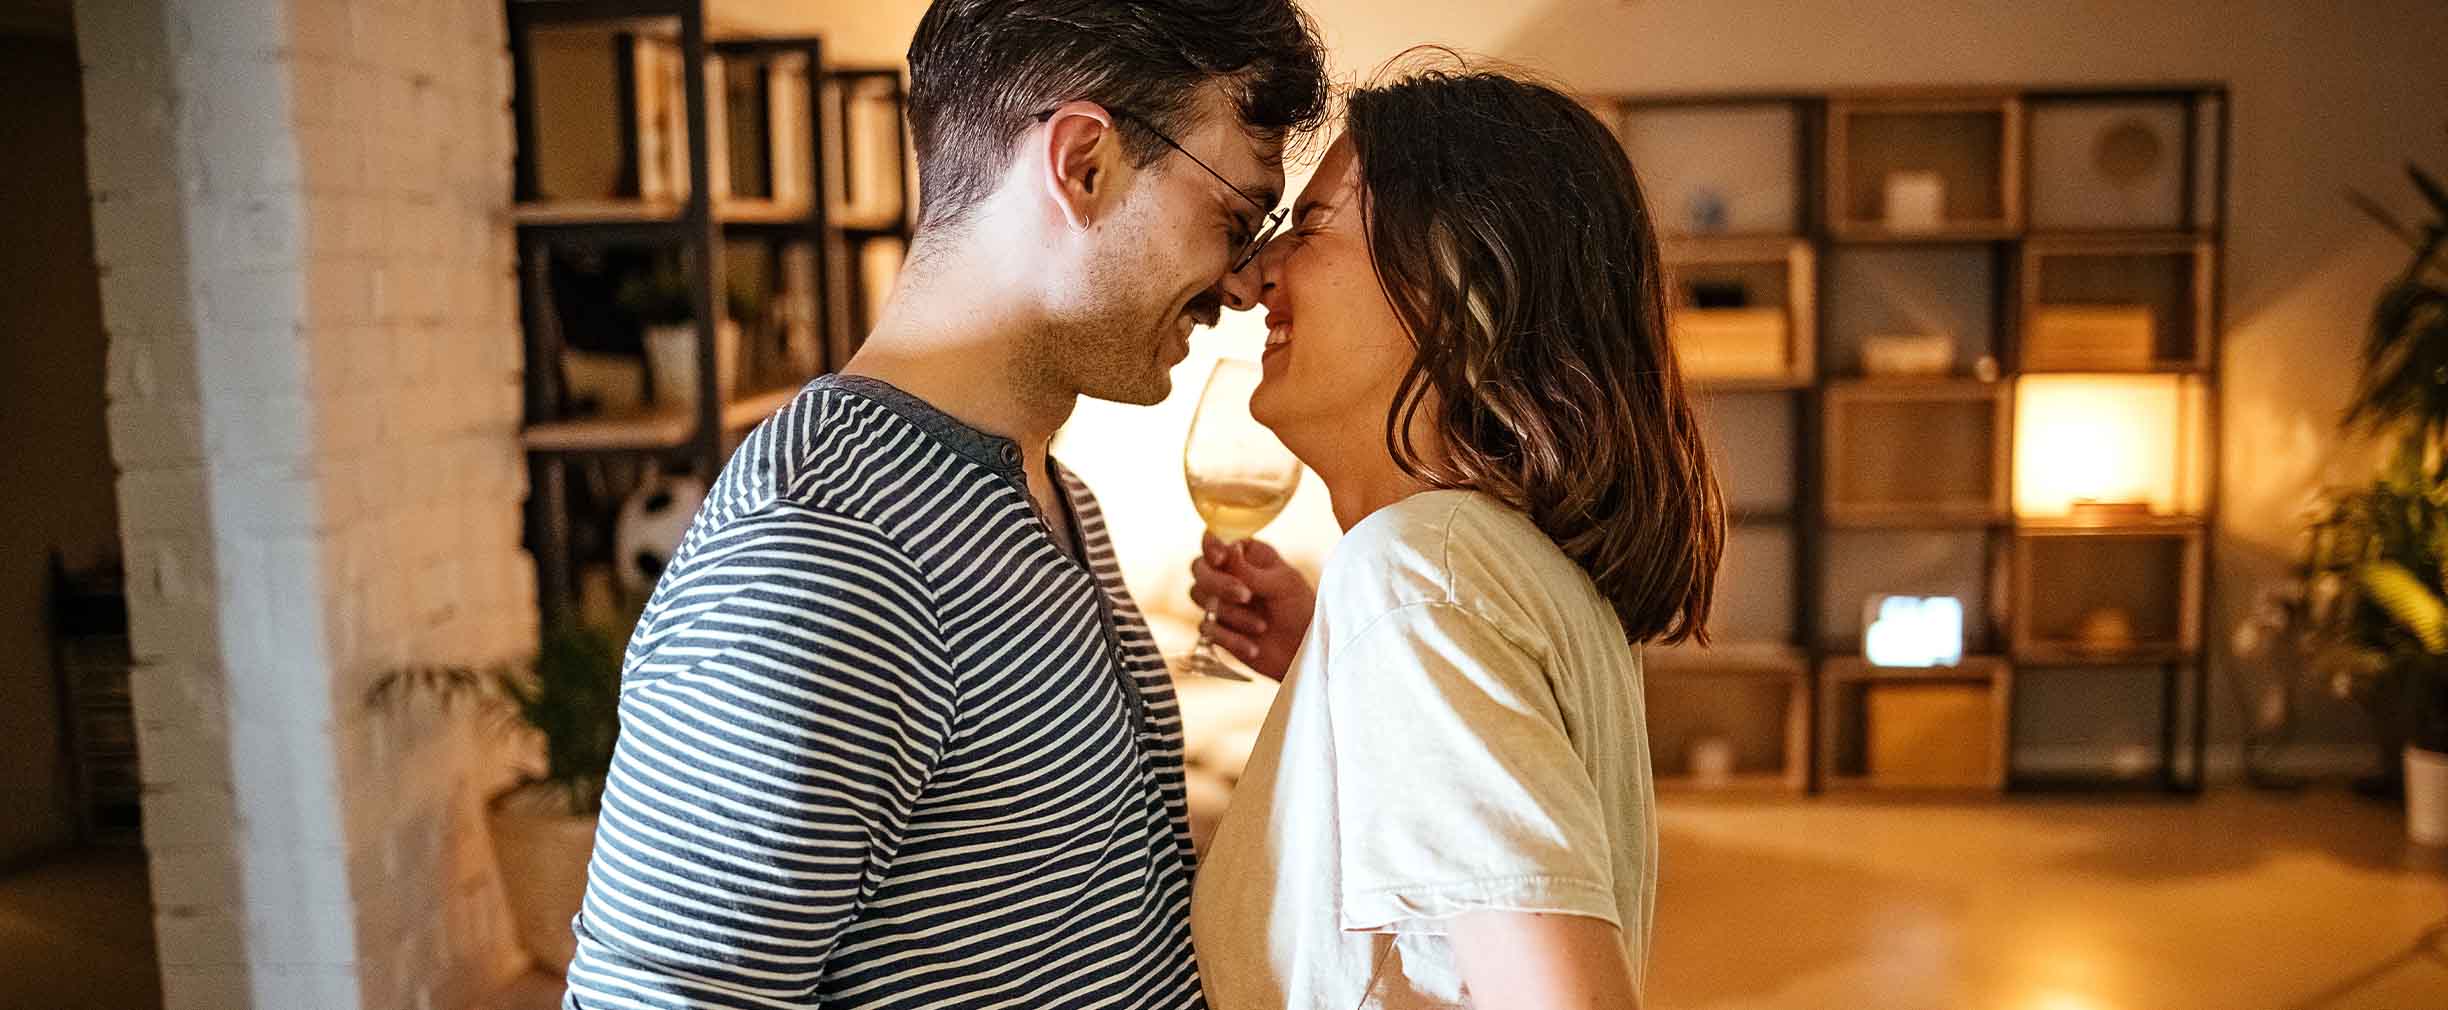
2064	1001
2107	438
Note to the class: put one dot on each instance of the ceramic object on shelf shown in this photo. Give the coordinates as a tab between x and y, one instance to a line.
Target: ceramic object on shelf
1916	201
672	353
2426	796
2105	630
1712	762
1902	355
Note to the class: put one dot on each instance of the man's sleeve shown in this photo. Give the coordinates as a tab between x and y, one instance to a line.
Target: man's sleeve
787	700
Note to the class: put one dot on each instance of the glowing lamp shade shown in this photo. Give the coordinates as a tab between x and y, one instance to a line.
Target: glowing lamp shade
2124	441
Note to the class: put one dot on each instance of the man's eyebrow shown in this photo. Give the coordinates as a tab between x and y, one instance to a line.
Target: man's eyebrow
1259	195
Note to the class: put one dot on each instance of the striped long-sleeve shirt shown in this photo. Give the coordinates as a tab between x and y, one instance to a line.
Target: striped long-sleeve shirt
886	744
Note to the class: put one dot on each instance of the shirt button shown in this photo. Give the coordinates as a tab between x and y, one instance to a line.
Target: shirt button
1011	455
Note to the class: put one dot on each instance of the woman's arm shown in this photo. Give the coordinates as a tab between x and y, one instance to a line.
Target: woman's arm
1536	961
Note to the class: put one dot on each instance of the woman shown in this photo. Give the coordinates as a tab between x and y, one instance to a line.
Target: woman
1450	802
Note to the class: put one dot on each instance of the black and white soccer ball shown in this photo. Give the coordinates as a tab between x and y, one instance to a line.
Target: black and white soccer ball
651	525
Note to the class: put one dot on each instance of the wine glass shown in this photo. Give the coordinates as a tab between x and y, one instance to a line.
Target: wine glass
1239	478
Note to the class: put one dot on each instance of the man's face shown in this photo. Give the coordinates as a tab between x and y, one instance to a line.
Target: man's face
1156	267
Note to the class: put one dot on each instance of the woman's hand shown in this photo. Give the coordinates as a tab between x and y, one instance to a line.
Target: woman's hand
1261	605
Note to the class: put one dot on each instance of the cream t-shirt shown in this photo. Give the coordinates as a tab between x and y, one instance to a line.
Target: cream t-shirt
1461	730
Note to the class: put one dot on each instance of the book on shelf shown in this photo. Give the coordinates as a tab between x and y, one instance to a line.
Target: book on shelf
870	193
787	122
661	106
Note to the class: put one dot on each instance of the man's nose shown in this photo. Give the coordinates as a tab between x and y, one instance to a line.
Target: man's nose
1243	288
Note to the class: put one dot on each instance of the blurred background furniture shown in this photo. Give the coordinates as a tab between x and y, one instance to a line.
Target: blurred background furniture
703	225
1954	343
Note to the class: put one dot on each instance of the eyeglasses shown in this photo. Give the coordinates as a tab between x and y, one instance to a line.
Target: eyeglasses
1268	225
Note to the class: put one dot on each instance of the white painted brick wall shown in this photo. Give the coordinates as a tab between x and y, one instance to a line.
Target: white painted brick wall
304	252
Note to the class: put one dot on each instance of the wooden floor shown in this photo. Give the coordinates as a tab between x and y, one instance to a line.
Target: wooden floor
2241	901
76	933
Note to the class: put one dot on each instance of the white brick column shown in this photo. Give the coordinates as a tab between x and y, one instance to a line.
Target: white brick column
300	213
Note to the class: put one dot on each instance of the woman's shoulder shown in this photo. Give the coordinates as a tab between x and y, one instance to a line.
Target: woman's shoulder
1450	546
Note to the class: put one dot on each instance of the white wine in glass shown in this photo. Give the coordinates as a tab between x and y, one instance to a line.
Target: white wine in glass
1240	477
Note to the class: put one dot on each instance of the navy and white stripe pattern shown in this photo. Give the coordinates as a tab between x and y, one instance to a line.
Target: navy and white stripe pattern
885	744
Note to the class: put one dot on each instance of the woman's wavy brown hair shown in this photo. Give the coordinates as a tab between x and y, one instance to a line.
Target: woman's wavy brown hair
1511	236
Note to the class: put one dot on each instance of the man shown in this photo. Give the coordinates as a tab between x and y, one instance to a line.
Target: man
893	732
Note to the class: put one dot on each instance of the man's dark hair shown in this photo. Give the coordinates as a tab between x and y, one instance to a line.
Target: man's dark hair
980	68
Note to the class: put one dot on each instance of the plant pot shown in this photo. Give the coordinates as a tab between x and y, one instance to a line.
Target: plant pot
542	852
671	352
2426	796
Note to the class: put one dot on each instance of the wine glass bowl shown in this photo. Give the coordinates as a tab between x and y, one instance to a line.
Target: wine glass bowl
1239	477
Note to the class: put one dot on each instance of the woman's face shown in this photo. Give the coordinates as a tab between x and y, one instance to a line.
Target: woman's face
1335	349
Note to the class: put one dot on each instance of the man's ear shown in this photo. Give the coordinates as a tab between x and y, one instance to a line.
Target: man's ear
1082	149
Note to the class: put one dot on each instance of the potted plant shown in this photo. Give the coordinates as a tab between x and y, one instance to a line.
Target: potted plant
2367	611
663	301
2368	607
567	701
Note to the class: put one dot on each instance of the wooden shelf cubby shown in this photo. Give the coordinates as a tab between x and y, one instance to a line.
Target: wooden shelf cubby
1754	700
1729	166
2135	161
1915	728
1917	452
1970	144
1743	311
2116	304
2107	595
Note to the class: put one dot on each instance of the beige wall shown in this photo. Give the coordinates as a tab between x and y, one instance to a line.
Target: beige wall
2326	96
55	469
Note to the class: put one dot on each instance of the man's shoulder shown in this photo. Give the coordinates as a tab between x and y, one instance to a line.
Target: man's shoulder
833	447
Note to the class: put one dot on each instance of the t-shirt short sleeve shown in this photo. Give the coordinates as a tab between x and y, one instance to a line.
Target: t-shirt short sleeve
1457	786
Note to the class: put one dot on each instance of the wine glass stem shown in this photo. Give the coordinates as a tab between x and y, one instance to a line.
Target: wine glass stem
1207	642
1207	660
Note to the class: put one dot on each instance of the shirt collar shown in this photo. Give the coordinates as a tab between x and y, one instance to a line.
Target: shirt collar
994	452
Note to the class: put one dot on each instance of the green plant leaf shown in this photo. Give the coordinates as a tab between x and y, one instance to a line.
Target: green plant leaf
2379	212
2431	189
2405	361
569	698
2411	604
